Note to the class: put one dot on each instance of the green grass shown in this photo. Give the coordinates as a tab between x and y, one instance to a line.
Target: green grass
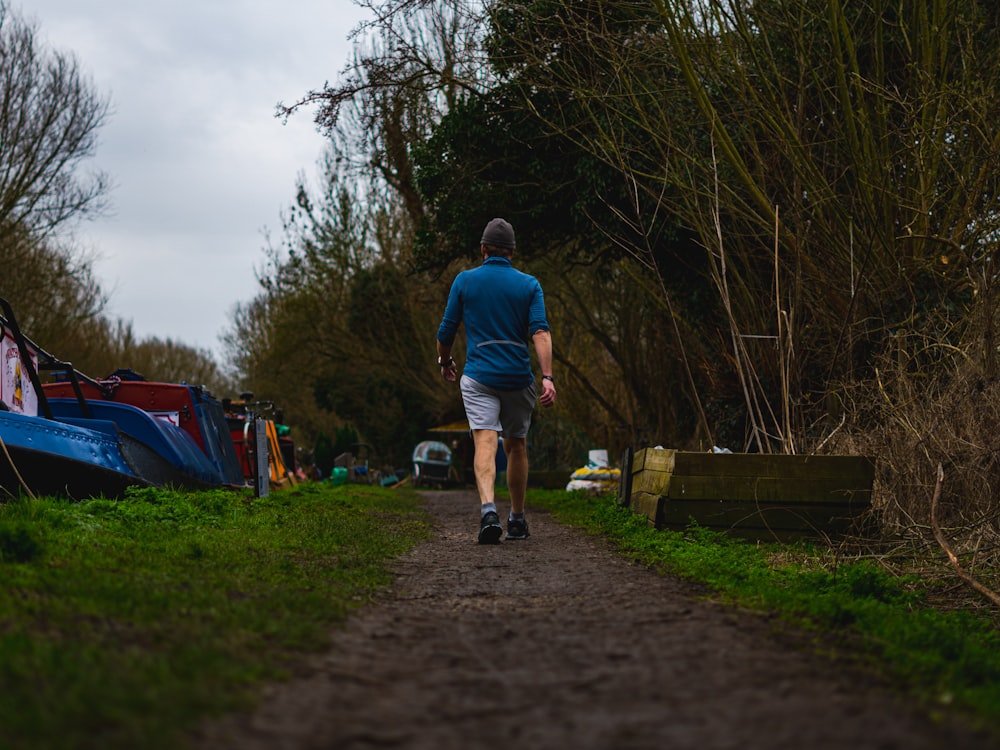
855	610
124	622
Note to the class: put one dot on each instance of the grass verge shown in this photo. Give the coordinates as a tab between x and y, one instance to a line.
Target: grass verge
122	623
948	659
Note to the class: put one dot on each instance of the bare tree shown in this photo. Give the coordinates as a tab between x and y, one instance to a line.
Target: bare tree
412	63
49	118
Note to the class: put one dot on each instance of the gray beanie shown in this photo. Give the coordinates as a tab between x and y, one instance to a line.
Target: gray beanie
499	233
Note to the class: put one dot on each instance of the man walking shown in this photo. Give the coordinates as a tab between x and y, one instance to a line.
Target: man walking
502	309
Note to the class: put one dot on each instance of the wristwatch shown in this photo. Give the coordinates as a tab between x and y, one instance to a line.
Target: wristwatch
549	378
445	362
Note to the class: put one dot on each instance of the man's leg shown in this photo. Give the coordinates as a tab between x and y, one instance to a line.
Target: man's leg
485	467
485	463
517	471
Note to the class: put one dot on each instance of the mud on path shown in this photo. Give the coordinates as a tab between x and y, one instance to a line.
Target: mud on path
556	642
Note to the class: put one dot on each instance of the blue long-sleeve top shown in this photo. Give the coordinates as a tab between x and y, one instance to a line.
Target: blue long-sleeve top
502	308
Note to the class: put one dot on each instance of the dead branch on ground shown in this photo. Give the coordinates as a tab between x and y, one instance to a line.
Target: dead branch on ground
952	557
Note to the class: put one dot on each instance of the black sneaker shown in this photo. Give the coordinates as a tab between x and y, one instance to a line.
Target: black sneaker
517	528
490	528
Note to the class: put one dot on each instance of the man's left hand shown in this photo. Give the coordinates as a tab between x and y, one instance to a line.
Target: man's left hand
548	396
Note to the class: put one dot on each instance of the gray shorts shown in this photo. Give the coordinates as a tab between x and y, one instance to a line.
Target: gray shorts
506	412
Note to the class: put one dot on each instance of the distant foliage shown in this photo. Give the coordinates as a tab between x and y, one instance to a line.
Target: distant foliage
342	329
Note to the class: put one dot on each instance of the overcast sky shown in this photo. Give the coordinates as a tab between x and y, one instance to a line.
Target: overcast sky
201	166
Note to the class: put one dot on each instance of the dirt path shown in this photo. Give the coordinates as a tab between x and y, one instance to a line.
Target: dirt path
555	642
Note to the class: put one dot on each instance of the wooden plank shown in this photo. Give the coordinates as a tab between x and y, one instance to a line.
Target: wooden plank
853	469
761	489
752	495
647	505
652	459
655	482
728	515
692	463
790	489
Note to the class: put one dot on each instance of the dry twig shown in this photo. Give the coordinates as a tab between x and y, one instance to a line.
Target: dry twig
952	557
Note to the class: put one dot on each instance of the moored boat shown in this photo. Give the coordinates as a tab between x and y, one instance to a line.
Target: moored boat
183	423
81	437
45	457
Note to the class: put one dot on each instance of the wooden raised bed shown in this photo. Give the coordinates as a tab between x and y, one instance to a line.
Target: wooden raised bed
761	496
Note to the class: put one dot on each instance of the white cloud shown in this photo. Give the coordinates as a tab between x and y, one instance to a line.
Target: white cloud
201	165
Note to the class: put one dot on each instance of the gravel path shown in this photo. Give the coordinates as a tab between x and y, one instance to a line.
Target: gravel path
556	642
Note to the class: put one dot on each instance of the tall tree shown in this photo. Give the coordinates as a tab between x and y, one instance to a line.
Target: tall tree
339	332
49	119
583	226
50	115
